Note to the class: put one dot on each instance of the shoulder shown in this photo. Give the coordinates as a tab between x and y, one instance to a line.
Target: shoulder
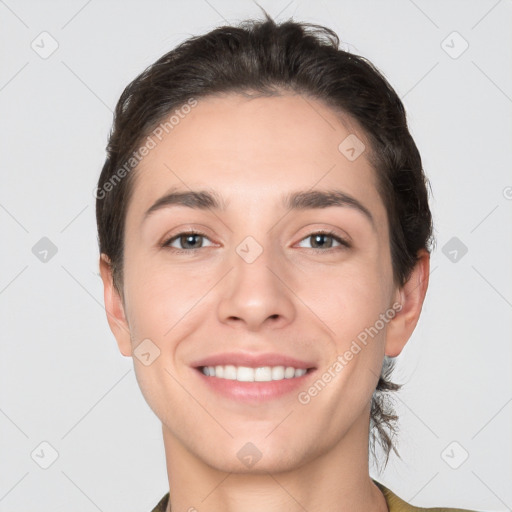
396	504
162	504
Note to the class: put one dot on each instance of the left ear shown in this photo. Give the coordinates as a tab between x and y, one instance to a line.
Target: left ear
411	296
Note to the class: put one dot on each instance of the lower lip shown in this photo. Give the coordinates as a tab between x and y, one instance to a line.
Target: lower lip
254	391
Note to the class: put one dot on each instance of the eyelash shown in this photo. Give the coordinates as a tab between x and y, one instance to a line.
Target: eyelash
344	244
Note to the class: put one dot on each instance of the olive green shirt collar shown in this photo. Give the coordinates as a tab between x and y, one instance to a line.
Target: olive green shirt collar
395	504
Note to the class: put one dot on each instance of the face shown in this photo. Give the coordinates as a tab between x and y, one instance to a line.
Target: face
255	276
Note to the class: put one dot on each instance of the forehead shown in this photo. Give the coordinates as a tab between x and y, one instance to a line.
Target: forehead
251	150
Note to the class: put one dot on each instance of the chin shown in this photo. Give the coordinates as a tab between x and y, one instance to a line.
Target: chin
246	457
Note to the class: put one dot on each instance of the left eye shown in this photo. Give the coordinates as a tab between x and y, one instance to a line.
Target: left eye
187	241
325	240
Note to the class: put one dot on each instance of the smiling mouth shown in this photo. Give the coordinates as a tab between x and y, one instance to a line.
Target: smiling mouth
248	374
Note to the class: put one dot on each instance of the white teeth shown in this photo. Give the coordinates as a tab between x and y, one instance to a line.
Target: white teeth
229	372
289	373
246	374
263	374
278	373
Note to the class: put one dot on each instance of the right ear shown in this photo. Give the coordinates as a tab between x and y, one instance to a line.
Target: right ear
114	308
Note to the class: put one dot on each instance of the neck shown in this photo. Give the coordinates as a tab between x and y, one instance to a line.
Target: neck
335	480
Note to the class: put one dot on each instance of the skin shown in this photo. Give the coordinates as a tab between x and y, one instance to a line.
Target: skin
296	298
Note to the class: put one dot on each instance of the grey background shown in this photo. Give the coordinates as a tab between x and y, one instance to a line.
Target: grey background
62	379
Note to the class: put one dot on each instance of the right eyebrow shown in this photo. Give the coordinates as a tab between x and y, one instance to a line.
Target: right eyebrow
201	199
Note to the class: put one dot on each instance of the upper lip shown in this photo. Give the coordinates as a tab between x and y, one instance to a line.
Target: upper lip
252	360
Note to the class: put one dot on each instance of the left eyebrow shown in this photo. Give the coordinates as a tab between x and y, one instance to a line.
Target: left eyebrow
301	200
314	199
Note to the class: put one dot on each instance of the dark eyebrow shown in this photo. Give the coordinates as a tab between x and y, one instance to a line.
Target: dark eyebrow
200	199
313	199
324	199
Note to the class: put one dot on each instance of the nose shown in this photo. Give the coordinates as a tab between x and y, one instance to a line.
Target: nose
257	294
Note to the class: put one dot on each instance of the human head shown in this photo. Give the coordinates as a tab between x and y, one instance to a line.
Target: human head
263	59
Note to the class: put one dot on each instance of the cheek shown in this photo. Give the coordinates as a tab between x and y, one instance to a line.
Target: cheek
352	306
347	298
158	293
160	308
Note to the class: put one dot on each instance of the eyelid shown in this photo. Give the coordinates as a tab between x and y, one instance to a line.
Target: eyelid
315	228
